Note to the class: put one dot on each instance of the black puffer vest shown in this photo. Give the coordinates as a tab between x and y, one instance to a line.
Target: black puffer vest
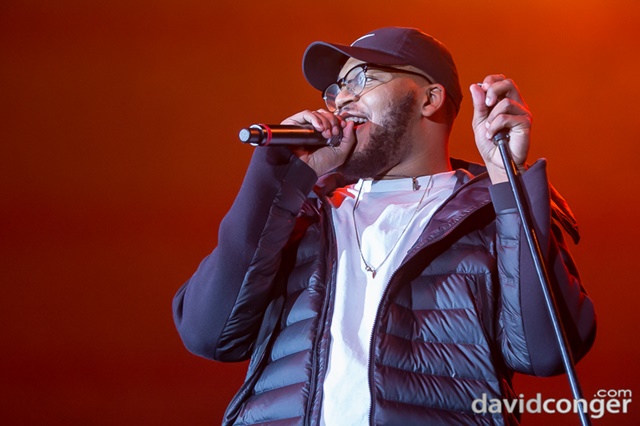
433	349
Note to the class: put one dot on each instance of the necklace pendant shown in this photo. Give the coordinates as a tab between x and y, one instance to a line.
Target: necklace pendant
370	269
416	185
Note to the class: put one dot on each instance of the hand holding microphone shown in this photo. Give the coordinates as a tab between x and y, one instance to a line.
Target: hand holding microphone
500	114
319	138
283	134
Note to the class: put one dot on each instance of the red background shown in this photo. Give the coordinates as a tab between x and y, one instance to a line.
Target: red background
119	157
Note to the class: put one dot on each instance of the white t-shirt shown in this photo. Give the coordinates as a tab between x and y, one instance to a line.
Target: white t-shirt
390	216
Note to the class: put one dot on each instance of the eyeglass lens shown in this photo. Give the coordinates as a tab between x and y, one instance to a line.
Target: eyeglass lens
354	82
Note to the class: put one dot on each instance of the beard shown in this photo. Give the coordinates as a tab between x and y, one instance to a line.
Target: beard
386	142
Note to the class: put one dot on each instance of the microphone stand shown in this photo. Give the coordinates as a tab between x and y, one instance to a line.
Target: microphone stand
501	139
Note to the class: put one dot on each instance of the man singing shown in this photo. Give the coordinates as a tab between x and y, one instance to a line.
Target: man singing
381	281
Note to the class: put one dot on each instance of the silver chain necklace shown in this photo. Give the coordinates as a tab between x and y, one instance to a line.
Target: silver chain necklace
367	266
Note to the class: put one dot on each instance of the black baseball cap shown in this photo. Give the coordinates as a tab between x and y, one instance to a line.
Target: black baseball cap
323	61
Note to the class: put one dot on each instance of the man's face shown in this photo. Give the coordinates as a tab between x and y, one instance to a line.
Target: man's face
385	114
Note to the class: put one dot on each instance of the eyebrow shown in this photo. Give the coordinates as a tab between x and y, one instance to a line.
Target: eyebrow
360	65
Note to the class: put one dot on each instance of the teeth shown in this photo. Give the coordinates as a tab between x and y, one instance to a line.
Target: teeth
358	120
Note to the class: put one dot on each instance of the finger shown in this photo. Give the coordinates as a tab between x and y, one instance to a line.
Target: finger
514	123
507	106
319	121
347	142
328	158
303	118
337	124
492	78
500	89
331	124
486	84
348	135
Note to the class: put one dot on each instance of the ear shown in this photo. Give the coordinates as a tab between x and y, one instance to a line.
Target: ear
433	99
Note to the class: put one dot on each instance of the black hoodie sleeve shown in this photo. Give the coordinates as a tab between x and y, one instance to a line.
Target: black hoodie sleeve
218	311
526	333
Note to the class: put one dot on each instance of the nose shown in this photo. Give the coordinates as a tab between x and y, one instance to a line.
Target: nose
344	97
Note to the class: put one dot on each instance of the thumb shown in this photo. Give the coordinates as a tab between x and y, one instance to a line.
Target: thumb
348	137
327	158
480	109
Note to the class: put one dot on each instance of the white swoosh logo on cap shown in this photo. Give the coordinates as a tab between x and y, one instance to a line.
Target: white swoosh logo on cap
362	38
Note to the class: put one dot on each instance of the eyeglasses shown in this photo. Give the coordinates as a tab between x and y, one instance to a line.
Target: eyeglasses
355	81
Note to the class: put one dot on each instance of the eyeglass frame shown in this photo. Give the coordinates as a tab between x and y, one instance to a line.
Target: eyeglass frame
341	84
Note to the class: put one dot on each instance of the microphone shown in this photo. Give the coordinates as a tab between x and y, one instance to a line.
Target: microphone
282	134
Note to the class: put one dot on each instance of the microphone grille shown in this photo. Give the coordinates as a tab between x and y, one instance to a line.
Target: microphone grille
244	135
335	140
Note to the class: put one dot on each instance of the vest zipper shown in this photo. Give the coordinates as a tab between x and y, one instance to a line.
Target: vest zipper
371	352
410	255
328	302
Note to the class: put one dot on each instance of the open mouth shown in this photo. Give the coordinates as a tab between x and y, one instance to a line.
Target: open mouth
357	120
